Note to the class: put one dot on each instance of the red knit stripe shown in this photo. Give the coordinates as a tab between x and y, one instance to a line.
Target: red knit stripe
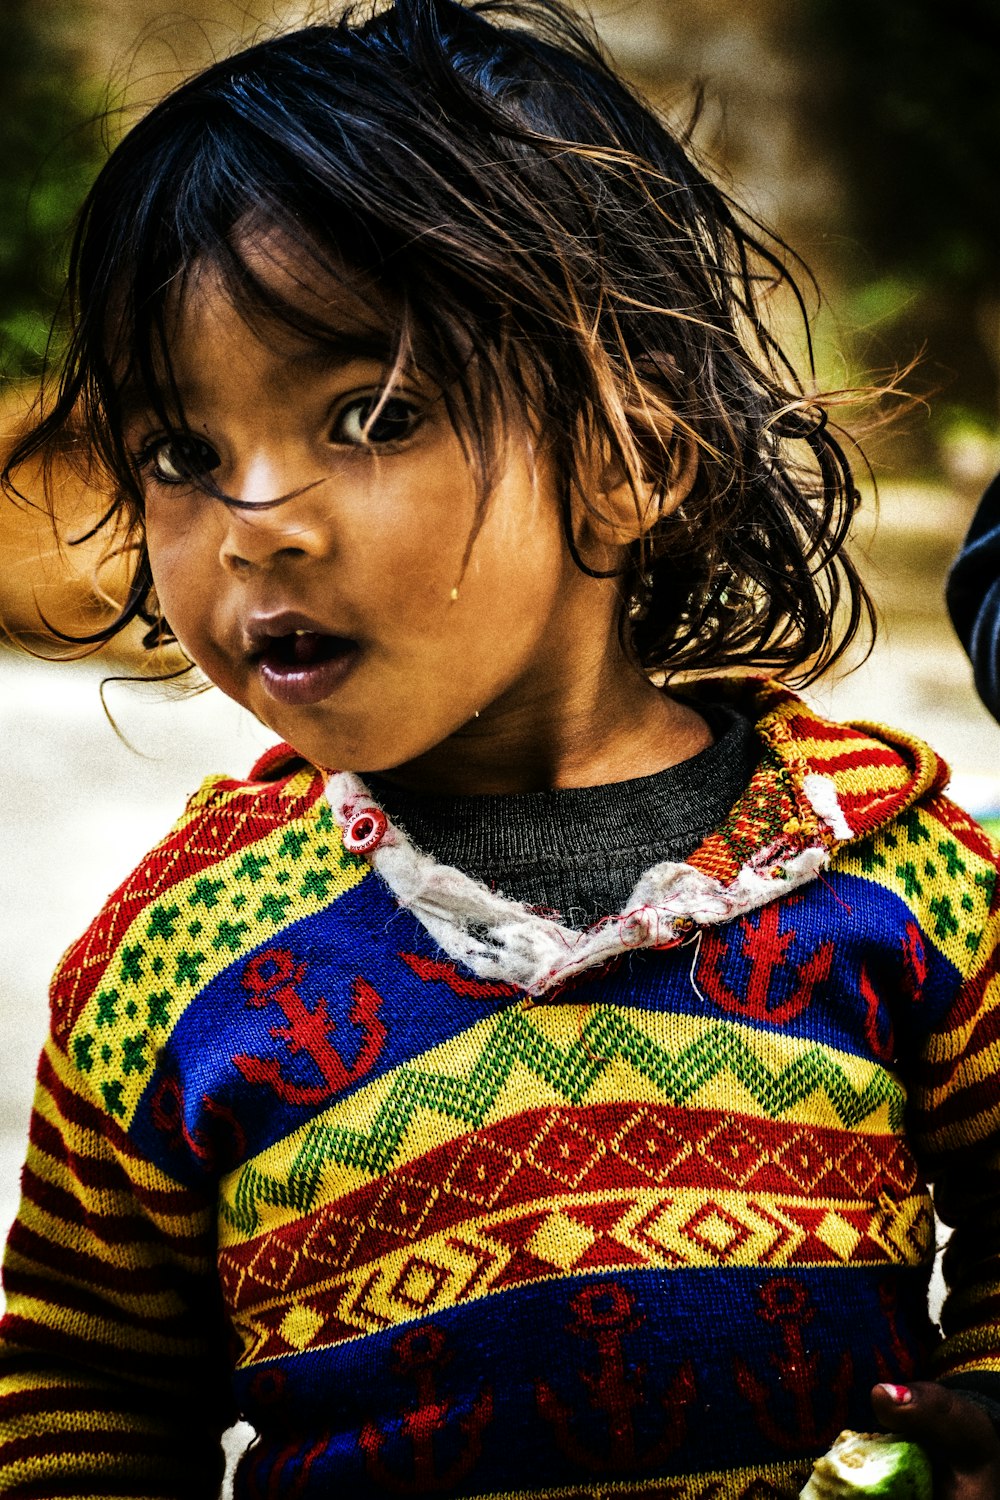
984	1034
104	1174
38	1400
68	1261
112	1230
276	758
980	1098
170	1368
970	998
968	833
100	1174
863	756
803	726
77	1110
869	806
47	1445
196	845
71	1299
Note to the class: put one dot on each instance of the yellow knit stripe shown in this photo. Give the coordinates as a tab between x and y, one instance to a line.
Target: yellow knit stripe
519	1060
193	931
971	1349
112	1231
822	755
125	1285
57	1419
966	1128
97	1462
76	1441
784	1479
681	1229
101	1335
144	1187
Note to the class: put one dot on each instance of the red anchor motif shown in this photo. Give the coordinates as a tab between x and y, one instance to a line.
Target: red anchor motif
786	1302
604	1314
878	1023
418	1355
273	977
290	1470
902	1366
764	945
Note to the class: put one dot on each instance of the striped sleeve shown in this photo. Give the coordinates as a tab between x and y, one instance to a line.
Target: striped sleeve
112	1346
956	1126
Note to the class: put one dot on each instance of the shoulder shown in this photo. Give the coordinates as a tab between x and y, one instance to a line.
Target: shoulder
243	857
916	846
880	797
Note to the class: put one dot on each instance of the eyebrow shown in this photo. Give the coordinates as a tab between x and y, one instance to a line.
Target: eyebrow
333	351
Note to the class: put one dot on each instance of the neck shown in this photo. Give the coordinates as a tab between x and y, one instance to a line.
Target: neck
588	730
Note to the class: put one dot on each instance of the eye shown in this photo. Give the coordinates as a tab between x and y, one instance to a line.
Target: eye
179	460
375	422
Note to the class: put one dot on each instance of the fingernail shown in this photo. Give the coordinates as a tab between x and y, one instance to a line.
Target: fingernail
901	1394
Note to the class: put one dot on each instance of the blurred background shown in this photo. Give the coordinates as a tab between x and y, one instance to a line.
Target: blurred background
866	132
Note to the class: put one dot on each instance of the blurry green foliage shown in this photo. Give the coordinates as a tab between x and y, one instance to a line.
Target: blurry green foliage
905	95
48	155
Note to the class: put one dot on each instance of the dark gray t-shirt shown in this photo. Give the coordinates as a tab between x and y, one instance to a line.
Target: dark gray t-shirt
580	850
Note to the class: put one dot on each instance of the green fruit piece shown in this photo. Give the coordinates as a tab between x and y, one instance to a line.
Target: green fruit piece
870	1464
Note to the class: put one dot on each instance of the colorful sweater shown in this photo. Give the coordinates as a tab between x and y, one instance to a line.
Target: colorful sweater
648	1219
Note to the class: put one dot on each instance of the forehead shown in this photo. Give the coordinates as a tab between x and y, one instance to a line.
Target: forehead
308	306
292	292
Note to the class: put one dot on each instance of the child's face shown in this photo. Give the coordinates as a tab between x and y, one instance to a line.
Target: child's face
324	601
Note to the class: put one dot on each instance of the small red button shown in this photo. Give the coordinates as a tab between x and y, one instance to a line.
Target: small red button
365	831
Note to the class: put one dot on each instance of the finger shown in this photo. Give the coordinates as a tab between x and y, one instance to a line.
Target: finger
941	1419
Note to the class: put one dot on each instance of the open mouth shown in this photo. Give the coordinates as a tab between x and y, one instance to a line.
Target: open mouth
302	648
304	666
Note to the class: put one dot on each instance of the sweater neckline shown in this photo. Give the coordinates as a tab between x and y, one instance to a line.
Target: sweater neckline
490	834
777	837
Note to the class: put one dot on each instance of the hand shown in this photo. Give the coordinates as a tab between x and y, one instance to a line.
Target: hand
958	1435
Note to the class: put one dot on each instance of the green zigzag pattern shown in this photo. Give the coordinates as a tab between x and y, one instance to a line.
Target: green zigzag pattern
571	1072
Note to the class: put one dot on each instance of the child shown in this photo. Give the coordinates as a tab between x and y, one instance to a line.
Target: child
525	1084
974	597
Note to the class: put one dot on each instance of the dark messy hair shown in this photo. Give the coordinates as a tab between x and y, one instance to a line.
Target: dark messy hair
548	244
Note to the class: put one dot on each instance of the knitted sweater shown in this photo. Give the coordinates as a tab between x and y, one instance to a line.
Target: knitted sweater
447	1199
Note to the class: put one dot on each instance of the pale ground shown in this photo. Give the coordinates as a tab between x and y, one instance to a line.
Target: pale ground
78	807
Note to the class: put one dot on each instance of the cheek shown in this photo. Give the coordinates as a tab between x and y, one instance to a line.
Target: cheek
180	560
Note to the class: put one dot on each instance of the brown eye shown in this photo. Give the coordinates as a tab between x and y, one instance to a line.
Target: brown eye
372	422
180	460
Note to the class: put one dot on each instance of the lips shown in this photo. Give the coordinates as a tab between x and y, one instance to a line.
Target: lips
297	661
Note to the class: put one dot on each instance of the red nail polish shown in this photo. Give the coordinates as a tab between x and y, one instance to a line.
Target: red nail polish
901	1394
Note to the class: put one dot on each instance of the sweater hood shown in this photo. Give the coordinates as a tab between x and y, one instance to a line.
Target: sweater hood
818	786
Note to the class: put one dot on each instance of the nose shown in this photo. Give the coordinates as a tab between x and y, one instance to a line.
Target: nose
275	516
